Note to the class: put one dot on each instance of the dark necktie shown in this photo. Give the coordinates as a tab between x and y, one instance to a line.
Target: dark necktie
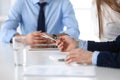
41	17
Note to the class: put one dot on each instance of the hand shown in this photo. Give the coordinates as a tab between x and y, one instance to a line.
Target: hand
35	38
80	56
66	43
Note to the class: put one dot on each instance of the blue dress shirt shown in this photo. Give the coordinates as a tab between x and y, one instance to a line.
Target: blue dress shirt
83	44
24	13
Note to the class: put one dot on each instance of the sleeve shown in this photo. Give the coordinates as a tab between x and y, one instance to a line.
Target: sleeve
83	44
108	59
113	46
69	20
94	57
8	29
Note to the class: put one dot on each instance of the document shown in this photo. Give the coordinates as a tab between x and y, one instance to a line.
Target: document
59	71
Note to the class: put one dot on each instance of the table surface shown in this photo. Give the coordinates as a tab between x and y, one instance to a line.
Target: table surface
8	71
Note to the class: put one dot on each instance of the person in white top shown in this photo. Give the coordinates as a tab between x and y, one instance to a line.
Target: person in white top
108	19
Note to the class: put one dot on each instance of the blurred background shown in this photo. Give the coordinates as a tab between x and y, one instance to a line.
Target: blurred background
84	12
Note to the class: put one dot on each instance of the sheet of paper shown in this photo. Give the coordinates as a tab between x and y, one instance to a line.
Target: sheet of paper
59	71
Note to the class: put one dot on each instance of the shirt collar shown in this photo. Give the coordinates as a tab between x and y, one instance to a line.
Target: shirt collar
37	1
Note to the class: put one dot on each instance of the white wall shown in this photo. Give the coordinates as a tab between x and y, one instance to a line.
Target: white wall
4	8
84	14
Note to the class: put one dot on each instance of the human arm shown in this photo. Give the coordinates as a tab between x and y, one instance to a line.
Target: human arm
103	58
113	46
69	20
108	59
80	56
35	38
99	58
66	43
9	27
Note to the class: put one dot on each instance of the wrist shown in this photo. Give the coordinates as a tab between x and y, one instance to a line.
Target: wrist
77	43
89	57
17	34
55	36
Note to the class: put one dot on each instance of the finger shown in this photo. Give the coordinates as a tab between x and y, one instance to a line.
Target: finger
61	48
68	61
36	33
69	56
60	45
34	46
58	41
49	41
52	41
75	51
39	38
72	59
40	31
39	41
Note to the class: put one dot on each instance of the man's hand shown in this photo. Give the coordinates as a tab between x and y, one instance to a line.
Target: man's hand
80	56
66	43
35	38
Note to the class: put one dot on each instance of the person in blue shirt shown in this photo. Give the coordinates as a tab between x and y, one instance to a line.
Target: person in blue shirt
105	54
24	13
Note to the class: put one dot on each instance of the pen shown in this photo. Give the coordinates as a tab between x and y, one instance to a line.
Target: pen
49	37
61	60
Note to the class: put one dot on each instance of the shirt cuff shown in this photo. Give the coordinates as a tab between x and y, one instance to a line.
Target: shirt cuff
83	44
7	38
73	34
94	57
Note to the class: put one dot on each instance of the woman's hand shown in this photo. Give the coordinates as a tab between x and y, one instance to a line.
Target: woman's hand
80	56
66	43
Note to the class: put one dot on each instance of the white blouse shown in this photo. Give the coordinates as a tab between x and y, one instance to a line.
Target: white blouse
111	22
